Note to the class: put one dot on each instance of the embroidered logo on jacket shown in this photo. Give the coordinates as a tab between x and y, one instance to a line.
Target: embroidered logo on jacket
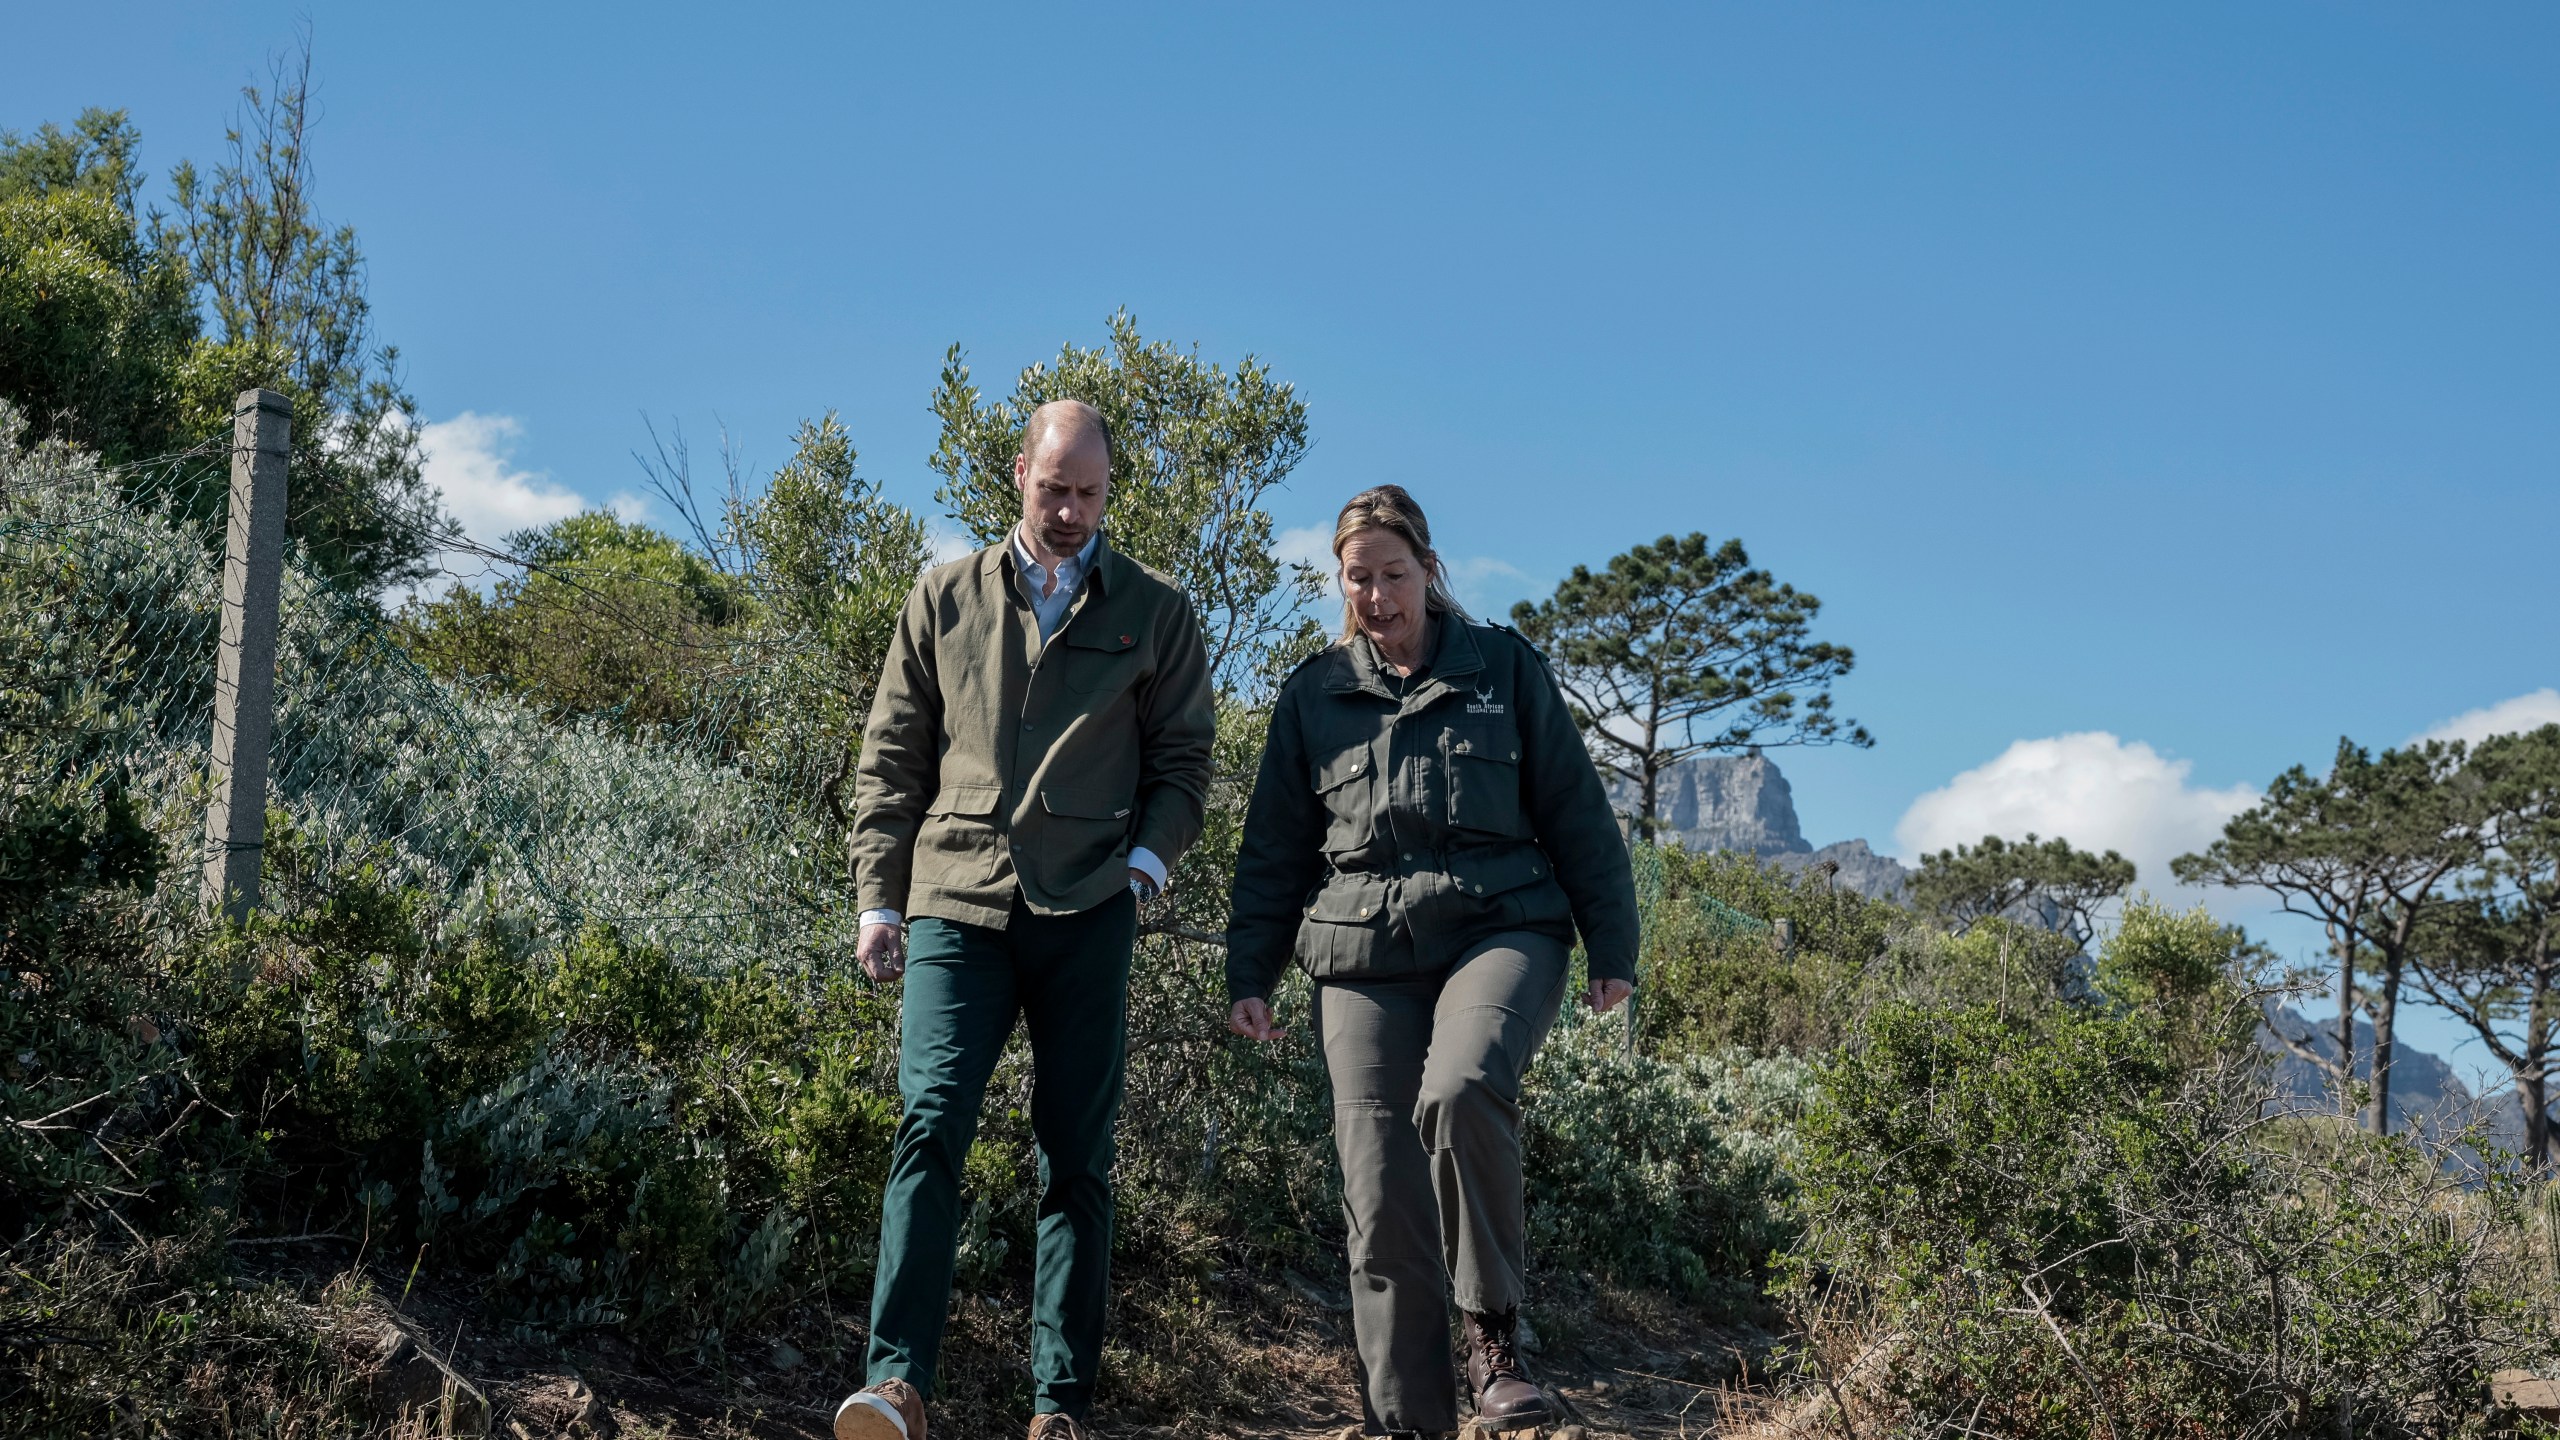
1484	703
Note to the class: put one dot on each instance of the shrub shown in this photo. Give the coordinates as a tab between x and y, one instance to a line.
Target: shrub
99	1338
1669	1174
2017	1222
1716	976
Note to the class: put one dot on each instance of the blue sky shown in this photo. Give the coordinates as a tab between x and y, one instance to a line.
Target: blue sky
2168	387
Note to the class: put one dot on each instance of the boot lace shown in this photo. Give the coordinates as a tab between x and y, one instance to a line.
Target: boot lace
1498	1335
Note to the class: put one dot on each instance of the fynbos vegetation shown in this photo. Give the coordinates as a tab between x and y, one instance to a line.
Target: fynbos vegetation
548	1012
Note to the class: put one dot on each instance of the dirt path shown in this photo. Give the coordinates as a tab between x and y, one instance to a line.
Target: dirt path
1621	1364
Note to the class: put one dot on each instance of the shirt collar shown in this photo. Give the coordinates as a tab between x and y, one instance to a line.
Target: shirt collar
1076	565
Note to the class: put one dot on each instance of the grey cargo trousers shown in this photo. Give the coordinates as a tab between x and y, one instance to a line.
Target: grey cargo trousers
1426	1117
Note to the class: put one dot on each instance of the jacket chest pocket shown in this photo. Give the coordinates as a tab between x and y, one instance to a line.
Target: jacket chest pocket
1342	783
1101	660
1484	782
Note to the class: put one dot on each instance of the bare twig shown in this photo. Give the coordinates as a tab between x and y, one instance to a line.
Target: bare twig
2095	1398
41	1122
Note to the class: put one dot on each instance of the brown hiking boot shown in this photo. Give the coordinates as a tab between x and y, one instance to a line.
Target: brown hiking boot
890	1410
1505	1399
1054	1426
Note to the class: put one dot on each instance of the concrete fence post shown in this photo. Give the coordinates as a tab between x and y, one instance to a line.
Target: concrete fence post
244	692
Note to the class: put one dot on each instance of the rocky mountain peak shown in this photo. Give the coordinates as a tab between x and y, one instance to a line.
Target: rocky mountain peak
1724	802
1743	803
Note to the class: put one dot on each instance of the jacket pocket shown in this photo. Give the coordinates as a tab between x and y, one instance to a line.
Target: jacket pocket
1484	784
1511	886
1498	869
1084	831
959	833
1349	899
1350	819
1345	926
1099	661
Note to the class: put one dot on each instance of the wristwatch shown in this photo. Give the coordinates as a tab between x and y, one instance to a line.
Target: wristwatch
1143	888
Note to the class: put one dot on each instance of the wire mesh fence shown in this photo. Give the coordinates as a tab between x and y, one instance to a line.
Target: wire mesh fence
112	581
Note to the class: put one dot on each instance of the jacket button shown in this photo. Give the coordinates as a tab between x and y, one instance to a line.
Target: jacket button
1479	887
1364	912
1408	855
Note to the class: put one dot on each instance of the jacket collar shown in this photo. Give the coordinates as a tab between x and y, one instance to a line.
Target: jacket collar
1354	664
1108	572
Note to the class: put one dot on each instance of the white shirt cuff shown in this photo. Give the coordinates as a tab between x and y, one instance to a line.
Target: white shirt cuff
880	917
1144	861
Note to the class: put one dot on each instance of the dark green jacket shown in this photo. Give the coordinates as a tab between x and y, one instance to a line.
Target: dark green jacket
991	761
1387	835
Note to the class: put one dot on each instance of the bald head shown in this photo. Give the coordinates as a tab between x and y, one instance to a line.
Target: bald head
1064	472
1065	422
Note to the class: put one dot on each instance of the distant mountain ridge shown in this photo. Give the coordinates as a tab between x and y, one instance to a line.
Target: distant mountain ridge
1744	803
2424	1089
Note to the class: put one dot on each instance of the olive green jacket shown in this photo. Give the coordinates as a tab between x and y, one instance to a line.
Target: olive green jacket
991	762
1388	834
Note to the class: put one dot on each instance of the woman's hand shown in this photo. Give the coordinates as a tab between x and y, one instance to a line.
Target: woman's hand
1603	995
1252	1019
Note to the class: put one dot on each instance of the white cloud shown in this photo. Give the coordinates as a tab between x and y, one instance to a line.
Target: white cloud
1306	545
2530	711
629	506
1487	586
2093	789
948	541
468	461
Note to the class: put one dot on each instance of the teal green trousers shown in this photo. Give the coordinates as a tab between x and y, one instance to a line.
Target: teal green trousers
1067	978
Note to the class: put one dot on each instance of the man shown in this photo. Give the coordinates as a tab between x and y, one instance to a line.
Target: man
1036	759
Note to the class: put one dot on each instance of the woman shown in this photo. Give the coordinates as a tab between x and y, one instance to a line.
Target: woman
1426	836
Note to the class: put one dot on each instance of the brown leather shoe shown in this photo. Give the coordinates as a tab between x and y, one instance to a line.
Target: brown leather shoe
1054	1426
890	1410
1505	1398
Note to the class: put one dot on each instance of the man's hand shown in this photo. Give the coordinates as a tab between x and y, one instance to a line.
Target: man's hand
883	952
1603	995
1252	1019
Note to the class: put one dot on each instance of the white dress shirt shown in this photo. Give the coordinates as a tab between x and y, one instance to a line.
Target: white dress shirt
1049	601
1049	604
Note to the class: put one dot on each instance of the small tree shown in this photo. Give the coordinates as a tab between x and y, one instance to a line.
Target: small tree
95	322
1680	647
2492	957
827	561
2044	883
286	296
607	618
2365	850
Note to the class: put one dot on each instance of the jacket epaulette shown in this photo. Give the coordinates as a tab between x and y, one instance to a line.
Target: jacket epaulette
1525	642
1328	648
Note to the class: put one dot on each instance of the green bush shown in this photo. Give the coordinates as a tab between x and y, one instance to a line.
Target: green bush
1717	976
2017	1220
1661	1173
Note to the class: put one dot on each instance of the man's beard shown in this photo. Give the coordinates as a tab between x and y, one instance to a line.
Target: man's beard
1056	542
